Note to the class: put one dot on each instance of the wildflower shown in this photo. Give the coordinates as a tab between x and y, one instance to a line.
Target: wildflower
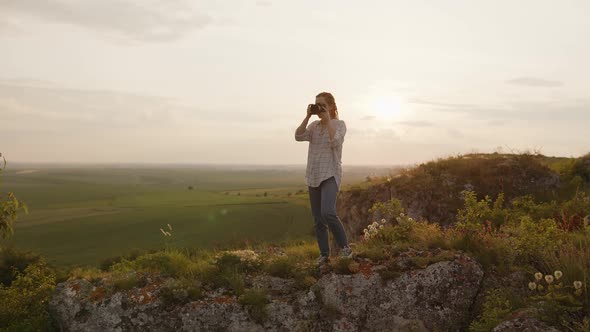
169	227
557	274
383	221
163	231
246	256
168	234
532	285
549	278
577	284
401	214
538	276
381	227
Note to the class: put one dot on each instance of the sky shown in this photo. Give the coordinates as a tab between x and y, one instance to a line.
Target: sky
229	81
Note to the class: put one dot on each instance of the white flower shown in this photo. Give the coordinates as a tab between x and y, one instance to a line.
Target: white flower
532	285
245	255
549	278
383	221
538	275
557	274
577	284
401	214
381	227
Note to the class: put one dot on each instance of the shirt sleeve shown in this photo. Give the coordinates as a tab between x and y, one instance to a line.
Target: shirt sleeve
339	135
306	135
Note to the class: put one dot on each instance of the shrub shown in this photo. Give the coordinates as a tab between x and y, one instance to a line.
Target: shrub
572	212
475	213
386	210
255	301
106	263
11	259
346	266
304	251
181	291
24	302
496	308
534	237
282	267
90	274
172	262
126	281
242	260
372	252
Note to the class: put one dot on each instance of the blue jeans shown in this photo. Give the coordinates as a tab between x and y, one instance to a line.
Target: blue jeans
323	209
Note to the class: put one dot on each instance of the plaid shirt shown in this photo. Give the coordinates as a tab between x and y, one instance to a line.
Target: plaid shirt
324	157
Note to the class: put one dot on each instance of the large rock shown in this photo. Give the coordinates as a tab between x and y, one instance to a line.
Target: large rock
436	298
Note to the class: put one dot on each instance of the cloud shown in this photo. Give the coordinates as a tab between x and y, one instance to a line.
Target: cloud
534	82
455	133
263	3
143	20
47	105
368	117
415	123
496	122
372	134
426	101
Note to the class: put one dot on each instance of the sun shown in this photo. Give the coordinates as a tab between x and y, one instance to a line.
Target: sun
387	107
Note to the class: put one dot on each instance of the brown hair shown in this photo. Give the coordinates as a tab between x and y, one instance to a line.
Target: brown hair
331	101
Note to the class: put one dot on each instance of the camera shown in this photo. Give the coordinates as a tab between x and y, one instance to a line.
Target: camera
316	109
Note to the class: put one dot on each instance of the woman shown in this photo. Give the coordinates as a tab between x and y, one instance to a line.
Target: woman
324	173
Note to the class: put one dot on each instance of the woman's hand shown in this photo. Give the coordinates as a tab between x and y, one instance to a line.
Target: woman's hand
309	111
325	115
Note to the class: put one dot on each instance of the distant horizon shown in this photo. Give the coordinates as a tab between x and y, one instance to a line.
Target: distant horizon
212	164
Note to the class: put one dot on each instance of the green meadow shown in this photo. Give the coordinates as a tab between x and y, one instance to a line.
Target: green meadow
80	215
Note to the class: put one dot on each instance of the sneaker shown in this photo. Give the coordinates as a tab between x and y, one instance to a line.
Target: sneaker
322	260
346	252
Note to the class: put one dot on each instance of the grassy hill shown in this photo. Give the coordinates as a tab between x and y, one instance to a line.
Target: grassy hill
433	190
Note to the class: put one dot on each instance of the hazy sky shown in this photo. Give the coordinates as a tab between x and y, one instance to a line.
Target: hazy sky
229	81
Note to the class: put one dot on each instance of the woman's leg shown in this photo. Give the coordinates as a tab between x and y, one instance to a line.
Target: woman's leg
321	228
329	192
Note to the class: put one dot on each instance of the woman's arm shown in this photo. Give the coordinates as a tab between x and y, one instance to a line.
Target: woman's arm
302	133
337	133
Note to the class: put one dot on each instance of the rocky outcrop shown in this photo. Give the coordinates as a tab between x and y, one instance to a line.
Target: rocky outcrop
524	324
435	298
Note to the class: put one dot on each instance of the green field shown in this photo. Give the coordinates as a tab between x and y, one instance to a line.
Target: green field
79	215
